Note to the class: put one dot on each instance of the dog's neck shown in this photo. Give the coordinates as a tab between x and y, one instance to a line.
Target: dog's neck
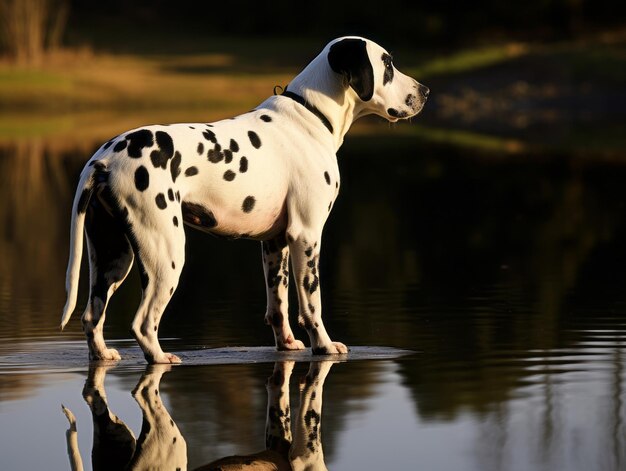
322	117
324	90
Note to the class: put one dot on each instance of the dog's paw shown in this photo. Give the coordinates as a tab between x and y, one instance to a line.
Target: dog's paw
335	348
291	344
109	354
167	358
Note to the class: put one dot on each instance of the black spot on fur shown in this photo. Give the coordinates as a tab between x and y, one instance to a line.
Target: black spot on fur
137	141
277	319
254	139
266	118
200	148
388	75
175	166
83	201
243	165
165	151
210	136
234	147
228	156
305	322
160	201
248	204
173	266
108	144
310	285
120	146
170	194
178	196
142	178
175	221
308	252
327	177
198	215
229	175
215	155
191	171
273	278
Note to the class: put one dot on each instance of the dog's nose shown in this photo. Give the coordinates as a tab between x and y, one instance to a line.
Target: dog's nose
424	90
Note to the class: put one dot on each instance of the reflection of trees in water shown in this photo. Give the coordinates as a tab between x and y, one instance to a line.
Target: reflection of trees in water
477	256
35	194
36	191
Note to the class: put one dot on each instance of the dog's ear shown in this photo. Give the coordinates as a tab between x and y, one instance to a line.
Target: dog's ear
349	58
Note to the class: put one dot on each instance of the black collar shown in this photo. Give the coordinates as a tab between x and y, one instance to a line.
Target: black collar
311	108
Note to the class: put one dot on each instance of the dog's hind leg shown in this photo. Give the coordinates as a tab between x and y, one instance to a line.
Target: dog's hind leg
160	252
276	269
110	260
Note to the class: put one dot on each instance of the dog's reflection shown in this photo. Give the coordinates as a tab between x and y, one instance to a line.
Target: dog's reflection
161	445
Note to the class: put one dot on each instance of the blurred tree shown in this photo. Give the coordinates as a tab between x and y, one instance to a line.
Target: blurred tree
30	28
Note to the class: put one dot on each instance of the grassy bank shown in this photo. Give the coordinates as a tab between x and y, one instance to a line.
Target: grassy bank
105	93
73	81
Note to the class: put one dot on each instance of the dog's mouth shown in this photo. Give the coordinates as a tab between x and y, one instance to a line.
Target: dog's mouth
414	104
394	114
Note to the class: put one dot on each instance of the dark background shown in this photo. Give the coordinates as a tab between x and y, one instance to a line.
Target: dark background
442	23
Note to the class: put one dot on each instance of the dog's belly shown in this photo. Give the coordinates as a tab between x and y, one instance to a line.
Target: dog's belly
225	221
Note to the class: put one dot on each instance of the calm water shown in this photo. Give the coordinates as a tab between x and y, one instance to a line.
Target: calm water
504	274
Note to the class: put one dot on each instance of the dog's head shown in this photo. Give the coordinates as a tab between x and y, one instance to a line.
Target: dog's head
369	71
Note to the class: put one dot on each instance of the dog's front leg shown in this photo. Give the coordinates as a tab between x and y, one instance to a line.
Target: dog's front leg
276	269
305	254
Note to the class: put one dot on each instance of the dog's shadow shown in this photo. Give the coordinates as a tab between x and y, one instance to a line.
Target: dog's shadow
290	444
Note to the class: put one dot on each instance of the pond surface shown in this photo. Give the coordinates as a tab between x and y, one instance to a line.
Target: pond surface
504	275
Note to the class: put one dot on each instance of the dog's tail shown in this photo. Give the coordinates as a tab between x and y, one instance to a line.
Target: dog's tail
79	208
71	437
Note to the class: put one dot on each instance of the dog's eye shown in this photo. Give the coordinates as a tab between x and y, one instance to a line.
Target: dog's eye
388	61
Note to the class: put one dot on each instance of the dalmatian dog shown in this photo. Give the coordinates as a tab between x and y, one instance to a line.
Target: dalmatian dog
270	174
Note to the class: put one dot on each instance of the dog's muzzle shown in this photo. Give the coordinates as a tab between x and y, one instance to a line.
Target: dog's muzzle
413	101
